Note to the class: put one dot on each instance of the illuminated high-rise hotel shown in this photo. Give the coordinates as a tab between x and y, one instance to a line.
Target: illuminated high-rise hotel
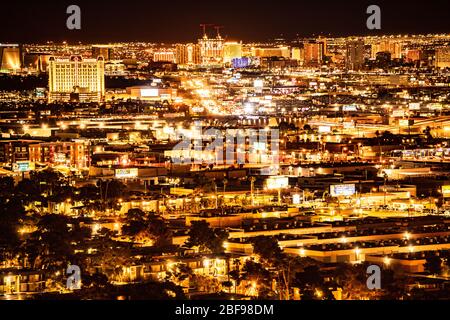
231	50
188	54
76	79
279	51
105	51
393	47
355	55
313	53
211	50
164	55
443	57
10	57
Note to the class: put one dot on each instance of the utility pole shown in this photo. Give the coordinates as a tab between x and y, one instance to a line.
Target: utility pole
218	31
252	183
204	26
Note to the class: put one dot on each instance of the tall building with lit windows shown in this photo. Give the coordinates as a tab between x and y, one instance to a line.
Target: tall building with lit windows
313	53
76	79
105	51
211	50
355	55
188	54
231	50
393	47
164	56
443	57
10	58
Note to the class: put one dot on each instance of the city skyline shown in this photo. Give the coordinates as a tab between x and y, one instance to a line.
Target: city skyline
248	20
236	151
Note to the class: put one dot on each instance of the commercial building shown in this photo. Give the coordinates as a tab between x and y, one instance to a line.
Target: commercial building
355	55
188	54
100	50
76	79
151	93
164	56
211	50
70	154
313	53
10	58
281	51
231	50
37	62
393	47
443	57
298	54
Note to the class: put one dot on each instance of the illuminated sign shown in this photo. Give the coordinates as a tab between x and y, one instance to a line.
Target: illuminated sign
258	83
446	191
349	108
240	62
40	92
277	182
405	122
60	157
149	92
324	129
414	106
296	199
398	113
337	190
126	173
348	124
23	166
181	191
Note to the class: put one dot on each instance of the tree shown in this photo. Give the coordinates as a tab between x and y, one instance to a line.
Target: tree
206	238
310	276
12	214
266	247
286	266
427	133
149	290
146	226
433	265
111	190
96	280
52	245
259	278
6	186
48	180
352	279
178	273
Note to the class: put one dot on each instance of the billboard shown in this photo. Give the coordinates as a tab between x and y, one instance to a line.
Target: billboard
277	182
258	83
337	190
398	113
240	62
126	173
181	191
296	199
350	107
23	166
414	106
405	122
324	129
446	191
149	92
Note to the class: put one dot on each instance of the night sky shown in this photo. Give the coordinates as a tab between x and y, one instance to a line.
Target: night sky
178	20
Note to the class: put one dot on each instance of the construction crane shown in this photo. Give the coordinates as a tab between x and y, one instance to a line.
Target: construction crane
204	26
218	30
